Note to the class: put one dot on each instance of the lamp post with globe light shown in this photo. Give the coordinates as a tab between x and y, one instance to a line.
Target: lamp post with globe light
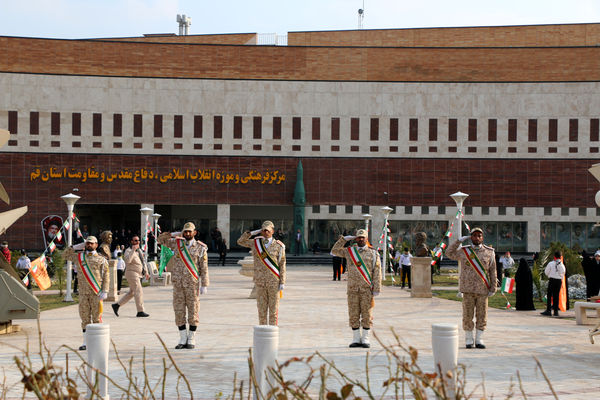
386	213
146	212
367	218
459	197
70	199
155	218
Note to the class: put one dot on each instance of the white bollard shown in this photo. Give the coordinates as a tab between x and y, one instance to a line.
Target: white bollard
97	338
444	340
266	343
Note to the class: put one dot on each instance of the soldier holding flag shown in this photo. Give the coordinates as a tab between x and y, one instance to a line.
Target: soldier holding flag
93	273
190	279
477	282
364	283
269	270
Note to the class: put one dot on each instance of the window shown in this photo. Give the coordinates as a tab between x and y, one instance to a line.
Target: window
485	210
472	130
365	209
97	124
296	128
349	209
492	130
502	210
76	124
512	130
178	126
393	128
413	129
237	127
335	129
276	127
137	125
257	127
553	130
452	129
468	210
425	210
518	210
354	128
547	210
532	130
374	128
158	126
433	129
332	209
582	211
573	130
117	125
218	126
408	210
34	123
197	126
55	123
441	210
564	211
316	128
13	122
594	129
316	209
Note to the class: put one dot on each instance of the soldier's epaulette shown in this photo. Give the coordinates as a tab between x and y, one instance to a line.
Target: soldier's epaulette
202	243
280	243
487	246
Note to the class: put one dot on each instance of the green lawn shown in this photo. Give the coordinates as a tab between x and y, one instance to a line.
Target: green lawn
52	301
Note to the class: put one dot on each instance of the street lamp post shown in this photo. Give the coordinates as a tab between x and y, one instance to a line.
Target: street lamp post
146	212
70	199
459	198
386	213
155	217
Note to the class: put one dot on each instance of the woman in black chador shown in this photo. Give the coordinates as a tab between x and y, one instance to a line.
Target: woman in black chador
524	287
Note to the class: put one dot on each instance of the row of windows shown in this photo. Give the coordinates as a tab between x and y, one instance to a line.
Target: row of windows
474	132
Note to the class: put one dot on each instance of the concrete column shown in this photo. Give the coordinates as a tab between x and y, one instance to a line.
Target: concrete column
223	221
112	281
97	338
266	344
420	277
444	340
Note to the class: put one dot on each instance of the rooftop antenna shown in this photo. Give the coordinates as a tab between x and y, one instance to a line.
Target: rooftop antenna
361	15
184	24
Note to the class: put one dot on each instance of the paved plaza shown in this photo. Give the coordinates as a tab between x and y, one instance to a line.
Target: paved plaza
313	316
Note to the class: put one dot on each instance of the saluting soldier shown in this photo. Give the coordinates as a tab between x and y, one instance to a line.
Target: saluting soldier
476	282
364	283
269	270
190	279
92	270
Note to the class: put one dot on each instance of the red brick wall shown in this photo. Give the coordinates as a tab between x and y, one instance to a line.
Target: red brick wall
233	38
339	181
486	36
112	58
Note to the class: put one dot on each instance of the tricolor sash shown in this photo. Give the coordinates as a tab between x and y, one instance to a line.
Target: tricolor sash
186	257
477	265
87	273
265	257
360	264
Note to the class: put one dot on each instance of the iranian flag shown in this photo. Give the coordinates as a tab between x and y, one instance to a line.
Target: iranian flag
507	285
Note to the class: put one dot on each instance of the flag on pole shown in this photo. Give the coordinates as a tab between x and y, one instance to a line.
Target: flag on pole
26	280
39	273
165	255
507	285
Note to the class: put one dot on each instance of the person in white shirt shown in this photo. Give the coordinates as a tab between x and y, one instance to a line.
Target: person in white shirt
120	270
23	266
555	271
507	263
405	264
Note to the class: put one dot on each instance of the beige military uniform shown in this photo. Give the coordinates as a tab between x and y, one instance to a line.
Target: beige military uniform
266	282
360	293
89	304
186	289
134	270
475	292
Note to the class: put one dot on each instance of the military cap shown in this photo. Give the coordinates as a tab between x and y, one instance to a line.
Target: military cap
361	232
267	225
189	226
477	229
91	239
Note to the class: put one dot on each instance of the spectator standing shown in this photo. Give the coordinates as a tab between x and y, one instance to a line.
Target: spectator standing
524	287
507	263
337	267
591	270
222	249
405	264
555	271
298	238
23	266
5	251
120	271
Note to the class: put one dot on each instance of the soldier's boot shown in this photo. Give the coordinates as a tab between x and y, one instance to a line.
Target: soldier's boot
356	339
191	341
365	338
469	339
479	340
83	346
182	339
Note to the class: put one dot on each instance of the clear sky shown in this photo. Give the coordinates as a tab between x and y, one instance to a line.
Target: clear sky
117	18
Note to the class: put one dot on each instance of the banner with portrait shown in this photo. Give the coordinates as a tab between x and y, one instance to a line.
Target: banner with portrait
51	226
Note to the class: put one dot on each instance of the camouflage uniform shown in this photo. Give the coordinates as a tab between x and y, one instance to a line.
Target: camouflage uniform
89	304
267	284
185	288
360	293
475	293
